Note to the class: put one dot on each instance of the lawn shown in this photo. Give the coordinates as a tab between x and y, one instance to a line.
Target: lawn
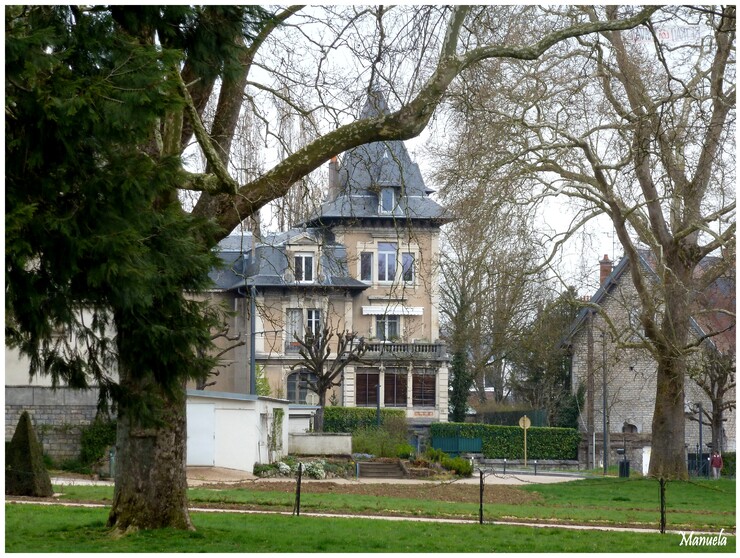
691	506
703	505
32	528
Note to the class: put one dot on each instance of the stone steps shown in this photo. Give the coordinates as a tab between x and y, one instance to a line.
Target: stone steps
381	470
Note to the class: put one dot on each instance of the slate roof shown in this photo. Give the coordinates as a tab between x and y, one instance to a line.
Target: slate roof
367	168
364	170
715	303
270	263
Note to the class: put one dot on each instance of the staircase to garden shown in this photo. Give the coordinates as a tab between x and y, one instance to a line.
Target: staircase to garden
381	470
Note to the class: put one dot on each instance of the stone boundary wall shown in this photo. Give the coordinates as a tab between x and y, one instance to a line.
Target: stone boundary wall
319	444
58	416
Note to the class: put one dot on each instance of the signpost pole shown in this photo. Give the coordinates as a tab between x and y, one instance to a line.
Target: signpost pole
525	423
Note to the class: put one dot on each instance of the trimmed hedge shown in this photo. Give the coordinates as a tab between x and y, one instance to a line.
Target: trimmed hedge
349	419
728	464
507	442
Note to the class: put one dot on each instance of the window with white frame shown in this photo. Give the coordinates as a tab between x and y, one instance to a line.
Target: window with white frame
293	329
313	321
303	268
386	200
297	322
387	254
388	327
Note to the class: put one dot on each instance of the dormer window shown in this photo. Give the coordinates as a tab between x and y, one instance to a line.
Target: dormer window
386	200
303	268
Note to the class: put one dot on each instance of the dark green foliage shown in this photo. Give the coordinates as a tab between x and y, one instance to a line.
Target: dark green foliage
538	417
501	442
25	473
728	464
95	438
459	465
350	419
460	383
569	409
540	365
95	236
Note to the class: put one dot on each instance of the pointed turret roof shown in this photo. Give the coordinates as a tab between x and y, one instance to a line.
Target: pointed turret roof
367	169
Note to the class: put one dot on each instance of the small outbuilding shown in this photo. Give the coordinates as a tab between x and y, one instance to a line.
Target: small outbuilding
235	430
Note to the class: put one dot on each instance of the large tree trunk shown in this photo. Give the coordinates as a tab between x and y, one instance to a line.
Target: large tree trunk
668	459
318	419
150	473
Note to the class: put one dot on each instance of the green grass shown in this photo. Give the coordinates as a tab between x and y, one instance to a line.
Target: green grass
31	528
703	505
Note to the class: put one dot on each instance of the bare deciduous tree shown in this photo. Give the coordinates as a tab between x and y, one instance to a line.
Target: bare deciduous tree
638	126
316	357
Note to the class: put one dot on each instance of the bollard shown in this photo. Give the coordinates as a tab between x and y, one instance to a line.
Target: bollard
535	467
504	465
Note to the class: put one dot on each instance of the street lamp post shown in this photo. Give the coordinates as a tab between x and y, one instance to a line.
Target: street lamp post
604	412
701	445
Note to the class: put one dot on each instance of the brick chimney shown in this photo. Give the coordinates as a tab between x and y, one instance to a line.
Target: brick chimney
605	268
333	179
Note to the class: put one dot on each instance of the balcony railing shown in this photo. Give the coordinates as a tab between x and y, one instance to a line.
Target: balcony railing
393	349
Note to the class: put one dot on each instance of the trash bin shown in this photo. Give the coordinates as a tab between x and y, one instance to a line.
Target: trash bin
624	469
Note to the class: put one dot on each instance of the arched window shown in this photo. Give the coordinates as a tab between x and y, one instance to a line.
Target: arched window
628	428
298	386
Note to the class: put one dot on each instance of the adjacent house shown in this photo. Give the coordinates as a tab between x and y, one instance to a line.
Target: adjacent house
623	380
363	262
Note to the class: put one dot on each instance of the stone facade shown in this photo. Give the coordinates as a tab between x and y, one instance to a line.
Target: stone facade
364	262
626	377
58	416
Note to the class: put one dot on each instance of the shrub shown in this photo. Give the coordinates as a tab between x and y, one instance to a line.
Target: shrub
376	441
351	419
25	474
314	470
265	469
461	467
434	455
728	464
95	438
405	451
508	441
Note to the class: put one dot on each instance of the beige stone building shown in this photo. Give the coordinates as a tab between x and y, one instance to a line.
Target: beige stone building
625	378
365	263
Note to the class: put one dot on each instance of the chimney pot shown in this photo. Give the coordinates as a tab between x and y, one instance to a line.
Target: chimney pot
605	268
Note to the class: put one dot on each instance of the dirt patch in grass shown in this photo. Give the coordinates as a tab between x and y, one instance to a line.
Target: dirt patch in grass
443	492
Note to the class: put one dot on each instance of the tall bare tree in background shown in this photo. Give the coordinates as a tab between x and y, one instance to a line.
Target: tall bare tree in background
489	294
640	126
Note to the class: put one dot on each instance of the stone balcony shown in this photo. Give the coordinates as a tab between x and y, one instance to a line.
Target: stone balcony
416	351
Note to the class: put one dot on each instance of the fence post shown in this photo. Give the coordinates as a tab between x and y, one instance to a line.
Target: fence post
298	490
662	505
482	484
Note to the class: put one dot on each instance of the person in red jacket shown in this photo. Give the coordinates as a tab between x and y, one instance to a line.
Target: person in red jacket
716	464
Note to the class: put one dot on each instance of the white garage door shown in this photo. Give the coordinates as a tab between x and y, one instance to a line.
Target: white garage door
201	434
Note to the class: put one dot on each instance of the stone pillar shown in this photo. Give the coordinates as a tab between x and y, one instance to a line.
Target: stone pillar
443	395
348	387
381	388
